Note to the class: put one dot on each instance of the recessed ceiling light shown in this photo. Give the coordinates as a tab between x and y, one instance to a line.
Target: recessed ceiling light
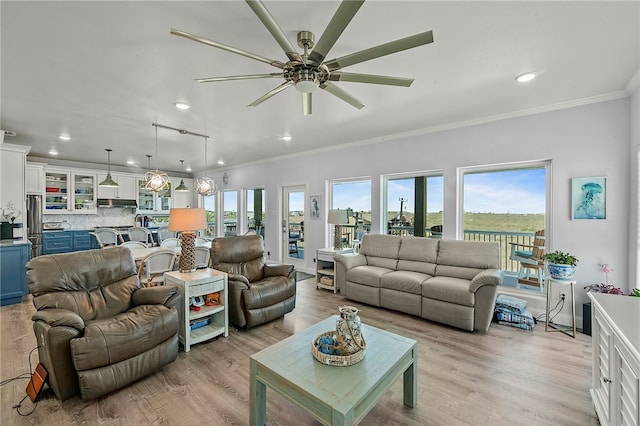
131	162
64	137
188	168
53	152
221	162
181	105
286	138
523	78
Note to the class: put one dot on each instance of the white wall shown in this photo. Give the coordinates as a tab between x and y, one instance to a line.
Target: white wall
591	140
634	190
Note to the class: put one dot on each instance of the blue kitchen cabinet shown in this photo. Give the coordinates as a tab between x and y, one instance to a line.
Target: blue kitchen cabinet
13	273
67	241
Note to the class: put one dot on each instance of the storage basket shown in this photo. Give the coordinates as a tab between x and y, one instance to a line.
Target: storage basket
336	360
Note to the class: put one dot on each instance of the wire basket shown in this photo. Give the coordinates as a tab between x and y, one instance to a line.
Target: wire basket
337	360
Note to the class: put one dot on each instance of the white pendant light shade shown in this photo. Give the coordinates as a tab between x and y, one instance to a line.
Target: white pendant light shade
205	185
155	180
108	182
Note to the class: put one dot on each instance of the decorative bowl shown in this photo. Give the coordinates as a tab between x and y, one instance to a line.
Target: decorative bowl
331	359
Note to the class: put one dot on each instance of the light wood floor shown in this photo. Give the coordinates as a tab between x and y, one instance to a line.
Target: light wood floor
505	377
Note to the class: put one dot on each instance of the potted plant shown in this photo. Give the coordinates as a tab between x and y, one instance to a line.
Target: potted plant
560	265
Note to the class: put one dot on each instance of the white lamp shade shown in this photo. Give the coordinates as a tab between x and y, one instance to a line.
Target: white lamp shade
338	217
187	219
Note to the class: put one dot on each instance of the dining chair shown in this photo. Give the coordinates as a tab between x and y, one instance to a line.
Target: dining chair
153	267
108	237
137	233
202	255
170	243
134	244
164	233
203	242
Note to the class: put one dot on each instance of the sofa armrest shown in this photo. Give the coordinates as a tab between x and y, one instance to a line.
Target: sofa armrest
158	295
278	270
59	318
350	260
492	277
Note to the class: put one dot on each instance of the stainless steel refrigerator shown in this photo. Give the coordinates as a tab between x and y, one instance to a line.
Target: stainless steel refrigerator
34	223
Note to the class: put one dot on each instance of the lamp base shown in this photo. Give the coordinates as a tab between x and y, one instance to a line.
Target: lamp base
337	238
187	251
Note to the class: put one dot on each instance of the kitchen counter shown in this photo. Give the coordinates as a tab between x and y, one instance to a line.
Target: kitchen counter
8	243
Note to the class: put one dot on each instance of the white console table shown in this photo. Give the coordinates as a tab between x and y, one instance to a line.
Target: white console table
616	358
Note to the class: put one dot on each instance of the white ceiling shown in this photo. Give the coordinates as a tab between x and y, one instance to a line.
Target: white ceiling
103	72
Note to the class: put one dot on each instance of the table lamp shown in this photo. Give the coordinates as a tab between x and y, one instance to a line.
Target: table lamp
187	221
337	217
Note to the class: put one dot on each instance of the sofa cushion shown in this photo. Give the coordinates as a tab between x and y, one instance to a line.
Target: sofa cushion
465	259
367	275
418	254
381	250
405	281
123	336
269	291
448	289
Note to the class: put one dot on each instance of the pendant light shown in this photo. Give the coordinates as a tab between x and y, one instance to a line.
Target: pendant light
155	180
205	185
182	187
108	182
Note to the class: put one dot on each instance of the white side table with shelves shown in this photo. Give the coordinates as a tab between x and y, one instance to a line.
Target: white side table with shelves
326	269
200	283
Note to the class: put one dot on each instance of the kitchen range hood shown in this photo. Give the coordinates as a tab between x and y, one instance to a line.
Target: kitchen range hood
116	203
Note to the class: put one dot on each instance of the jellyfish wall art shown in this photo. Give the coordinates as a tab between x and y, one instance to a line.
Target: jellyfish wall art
588	198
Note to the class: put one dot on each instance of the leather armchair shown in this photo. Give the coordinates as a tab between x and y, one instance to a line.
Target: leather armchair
258	293
97	329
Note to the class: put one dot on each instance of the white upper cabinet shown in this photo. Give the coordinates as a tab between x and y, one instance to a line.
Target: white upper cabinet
126	189
35	179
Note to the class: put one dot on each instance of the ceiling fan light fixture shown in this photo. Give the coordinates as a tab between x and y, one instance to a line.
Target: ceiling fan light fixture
305	80
108	182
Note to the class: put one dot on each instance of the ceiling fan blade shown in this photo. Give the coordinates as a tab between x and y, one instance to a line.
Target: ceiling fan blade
345	13
306	103
381	50
272	26
231	49
370	78
336	91
270	93
238	77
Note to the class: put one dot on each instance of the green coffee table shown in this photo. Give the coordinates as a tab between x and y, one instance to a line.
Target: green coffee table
334	395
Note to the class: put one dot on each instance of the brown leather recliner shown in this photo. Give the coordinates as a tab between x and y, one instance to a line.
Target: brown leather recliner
258	293
97	329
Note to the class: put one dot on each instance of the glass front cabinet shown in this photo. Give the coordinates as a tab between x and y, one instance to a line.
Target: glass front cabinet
69	192
154	202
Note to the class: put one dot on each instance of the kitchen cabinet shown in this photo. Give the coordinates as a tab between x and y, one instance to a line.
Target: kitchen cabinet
154	202
182	199
13	274
127	187
67	241
13	161
69	192
615	387
35	179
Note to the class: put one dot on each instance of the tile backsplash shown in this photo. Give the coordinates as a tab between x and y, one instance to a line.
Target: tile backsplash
105	217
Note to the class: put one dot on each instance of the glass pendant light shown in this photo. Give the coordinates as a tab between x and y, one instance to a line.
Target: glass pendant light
108	182
182	187
205	185
155	180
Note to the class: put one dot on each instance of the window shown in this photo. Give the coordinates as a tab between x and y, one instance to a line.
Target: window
230	212
209	205
255	210
414	205
353	195
508	204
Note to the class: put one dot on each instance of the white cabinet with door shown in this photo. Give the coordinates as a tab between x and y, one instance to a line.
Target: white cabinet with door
182	199
150	202
126	190
35	178
69	192
616	358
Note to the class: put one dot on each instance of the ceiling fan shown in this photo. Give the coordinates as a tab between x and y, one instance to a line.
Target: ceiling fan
309	70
